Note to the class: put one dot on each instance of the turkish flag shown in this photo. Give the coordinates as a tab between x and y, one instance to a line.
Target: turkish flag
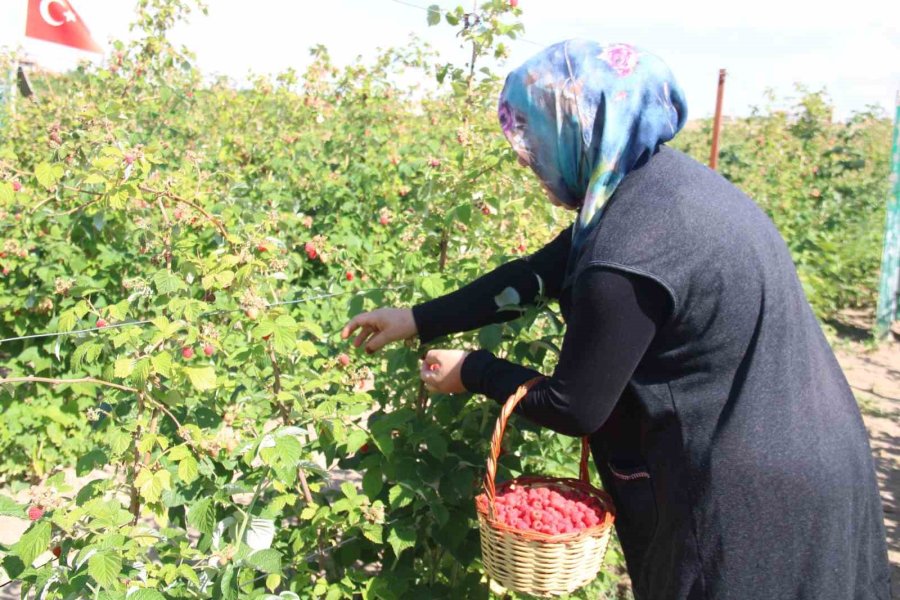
56	21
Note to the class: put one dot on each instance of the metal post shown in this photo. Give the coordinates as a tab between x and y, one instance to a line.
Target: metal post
717	122
889	286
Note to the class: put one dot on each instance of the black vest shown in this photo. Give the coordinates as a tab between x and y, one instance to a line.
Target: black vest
737	457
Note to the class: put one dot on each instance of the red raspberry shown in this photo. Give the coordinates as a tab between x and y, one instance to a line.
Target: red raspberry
349	275
57	550
16	186
187	353
261	248
101	323
35	512
343	359
129	158
384	220
208	350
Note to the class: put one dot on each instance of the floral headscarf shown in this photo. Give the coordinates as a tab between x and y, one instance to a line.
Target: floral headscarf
583	115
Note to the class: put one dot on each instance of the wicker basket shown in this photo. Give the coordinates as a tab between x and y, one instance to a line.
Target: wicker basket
532	562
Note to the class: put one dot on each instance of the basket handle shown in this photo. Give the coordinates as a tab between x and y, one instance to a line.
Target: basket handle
497	441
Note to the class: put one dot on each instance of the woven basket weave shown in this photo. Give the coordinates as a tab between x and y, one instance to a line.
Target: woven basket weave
532	562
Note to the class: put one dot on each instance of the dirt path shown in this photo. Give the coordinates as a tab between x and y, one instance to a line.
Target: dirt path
875	378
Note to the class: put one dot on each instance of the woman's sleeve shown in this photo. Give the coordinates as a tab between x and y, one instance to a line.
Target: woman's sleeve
614	318
477	304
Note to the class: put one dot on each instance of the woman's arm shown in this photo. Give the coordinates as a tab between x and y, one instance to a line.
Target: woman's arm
613	320
477	304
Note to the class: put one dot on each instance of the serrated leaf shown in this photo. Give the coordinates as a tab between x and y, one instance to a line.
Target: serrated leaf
400	538
202	378
162	363
372	483
153	484
180	452
47	174
202	515
11	508
105	566
33	542
260	533
373	533
118	440
123	367
166	282
267	561
67	321
398	497
188	470
188	573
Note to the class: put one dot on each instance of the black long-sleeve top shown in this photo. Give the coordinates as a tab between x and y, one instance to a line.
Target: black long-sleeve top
611	318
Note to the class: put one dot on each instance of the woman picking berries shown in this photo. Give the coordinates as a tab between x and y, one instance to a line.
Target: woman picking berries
719	420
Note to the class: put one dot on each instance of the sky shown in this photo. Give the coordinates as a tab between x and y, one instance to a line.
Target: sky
852	50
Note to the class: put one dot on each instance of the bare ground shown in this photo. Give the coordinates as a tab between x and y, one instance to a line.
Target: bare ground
875	378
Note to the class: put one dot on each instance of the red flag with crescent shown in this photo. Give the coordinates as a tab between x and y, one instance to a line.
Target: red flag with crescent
56	21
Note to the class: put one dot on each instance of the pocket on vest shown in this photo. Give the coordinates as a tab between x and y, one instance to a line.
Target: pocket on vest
636	513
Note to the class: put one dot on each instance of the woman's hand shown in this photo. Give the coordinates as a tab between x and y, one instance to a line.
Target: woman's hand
384	325
441	371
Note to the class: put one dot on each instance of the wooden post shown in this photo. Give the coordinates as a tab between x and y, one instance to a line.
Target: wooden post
717	122
889	286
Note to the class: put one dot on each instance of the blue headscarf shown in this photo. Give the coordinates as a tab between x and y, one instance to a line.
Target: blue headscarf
582	115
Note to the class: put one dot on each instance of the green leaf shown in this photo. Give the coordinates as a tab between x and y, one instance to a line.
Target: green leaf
105	566
188	470
123	366
47	174
399	496
273	581
434	14
167	282
33	543
148	594
202	515
67	322
267	561
153	484
283	332
162	363
356	439
400	538
188	573
202	378
373	533
11	508
372	483
6	193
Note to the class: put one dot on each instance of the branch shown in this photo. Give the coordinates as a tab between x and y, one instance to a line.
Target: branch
197	207
52	381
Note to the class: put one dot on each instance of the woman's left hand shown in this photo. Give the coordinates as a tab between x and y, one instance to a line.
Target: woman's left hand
441	371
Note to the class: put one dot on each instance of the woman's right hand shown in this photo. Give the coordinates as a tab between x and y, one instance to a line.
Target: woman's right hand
384	325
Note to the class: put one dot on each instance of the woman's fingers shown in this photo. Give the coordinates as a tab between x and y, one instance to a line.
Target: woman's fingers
378	341
354	324
363	335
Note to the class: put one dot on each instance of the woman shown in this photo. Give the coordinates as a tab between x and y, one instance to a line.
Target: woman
719	420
